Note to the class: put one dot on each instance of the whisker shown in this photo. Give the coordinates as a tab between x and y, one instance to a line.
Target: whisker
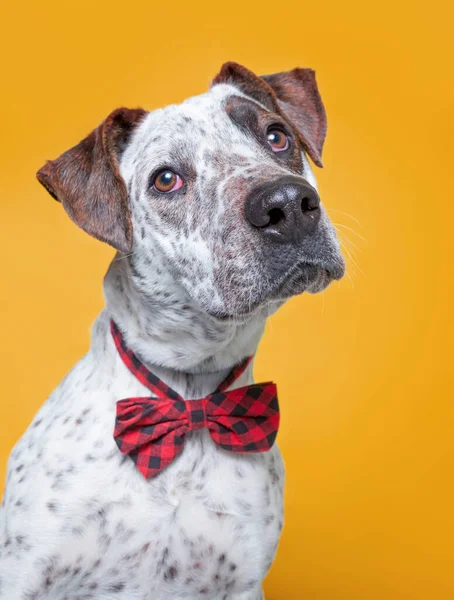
343	213
351	257
343	236
350	278
352	230
123	257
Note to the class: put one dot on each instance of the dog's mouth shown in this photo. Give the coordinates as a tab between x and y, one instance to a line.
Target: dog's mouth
309	277
303	277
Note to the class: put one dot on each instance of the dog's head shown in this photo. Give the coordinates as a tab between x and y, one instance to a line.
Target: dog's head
217	191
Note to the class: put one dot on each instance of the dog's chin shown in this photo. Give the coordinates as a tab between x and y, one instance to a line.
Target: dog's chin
304	277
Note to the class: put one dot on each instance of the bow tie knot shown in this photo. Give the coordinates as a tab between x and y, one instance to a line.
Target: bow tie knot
152	430
196	411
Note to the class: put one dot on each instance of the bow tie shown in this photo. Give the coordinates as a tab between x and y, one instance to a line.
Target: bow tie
152	430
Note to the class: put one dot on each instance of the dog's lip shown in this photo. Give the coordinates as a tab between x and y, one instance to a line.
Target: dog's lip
331	270
335	268
236	318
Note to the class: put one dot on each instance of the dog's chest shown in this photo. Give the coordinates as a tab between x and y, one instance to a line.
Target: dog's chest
212	521
206	526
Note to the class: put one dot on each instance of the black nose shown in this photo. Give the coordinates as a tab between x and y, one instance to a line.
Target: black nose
284	210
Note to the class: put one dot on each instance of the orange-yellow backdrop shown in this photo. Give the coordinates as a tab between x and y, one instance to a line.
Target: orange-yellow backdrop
364	370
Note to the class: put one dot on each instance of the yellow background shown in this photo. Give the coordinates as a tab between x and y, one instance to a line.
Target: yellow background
364	370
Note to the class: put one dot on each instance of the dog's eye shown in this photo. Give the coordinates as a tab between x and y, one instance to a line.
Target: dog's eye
167	181
277	139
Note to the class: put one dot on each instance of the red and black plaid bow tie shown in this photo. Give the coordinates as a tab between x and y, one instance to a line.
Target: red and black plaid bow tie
152	430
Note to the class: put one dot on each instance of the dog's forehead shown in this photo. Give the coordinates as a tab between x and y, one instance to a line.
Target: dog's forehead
198	119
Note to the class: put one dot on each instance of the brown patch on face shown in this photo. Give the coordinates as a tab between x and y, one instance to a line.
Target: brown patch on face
256	121
293	95
299	99
87	180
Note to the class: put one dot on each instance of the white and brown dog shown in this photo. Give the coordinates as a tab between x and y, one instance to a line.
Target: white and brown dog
213	208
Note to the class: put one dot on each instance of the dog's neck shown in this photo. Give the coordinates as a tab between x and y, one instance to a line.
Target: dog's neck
177	341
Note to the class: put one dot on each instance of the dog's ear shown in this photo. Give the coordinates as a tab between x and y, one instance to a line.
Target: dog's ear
293	94
86	180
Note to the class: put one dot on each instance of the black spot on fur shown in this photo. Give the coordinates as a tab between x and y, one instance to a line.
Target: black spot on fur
171	573
116	587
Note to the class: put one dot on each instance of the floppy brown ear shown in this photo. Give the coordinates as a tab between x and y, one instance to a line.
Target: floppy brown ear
86	180
293	94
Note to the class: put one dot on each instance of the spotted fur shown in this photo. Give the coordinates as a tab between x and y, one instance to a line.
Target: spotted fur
78	521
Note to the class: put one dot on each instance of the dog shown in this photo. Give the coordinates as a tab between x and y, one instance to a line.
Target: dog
214	212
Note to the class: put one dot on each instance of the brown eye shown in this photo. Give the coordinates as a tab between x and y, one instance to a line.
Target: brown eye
167	181
278	140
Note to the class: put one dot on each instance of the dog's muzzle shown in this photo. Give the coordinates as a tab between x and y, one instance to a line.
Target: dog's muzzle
299	250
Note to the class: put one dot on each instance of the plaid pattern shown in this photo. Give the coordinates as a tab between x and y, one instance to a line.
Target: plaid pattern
152	430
